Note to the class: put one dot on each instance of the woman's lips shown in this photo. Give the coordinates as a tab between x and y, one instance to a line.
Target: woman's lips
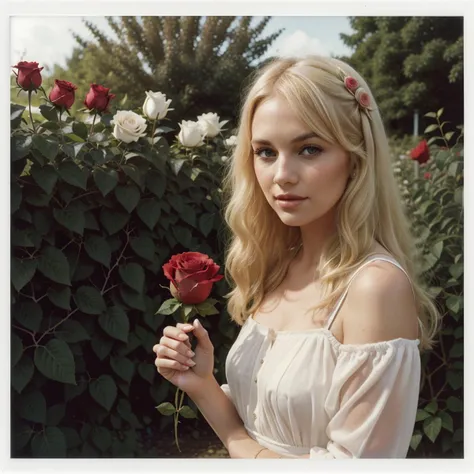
290	203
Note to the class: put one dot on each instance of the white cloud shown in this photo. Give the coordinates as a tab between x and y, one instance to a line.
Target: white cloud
297	43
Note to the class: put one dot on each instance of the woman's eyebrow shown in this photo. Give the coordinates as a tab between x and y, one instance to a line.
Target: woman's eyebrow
299	138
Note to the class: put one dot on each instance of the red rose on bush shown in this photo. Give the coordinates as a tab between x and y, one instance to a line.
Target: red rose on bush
62	94
98	98
427	175
421	152
192	275
29	75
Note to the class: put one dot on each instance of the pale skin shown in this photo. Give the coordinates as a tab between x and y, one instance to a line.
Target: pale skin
379	305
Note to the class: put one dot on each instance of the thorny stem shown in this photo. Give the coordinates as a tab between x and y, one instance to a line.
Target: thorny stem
31	115
92	126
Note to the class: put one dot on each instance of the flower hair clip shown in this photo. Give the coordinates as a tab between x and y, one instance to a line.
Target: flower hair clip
359	93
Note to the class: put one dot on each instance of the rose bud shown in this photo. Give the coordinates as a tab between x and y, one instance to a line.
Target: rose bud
421	152
192	275
62	94
156	107
98	98
29	75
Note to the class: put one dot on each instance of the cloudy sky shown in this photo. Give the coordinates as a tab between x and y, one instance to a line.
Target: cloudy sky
49	40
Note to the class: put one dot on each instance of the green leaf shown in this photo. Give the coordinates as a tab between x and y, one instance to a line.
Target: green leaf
72	331
156	183
46	146
133	172
176	165
149	211
166	409
183	235
431	128
144	247
56	362
20	147
60	297
177	203
453	303
101	438
21	434
128	196
421	415
106	180
16	112
115	323
415	440
123	367
206	309
457	350
71	217
101	345
37	198
16	349
159	391
49	112
187	412
22	373
45	177
16	197
147	371
89	300
437	249
55	414
432	427
133	275
454	404
22	271
189	215
32	407
104	391
459	332
72	437
206	222
80	129
49	443
169	306
456	270
113	221
147	338
430	115
455	379
447	421
440	112
90	222
72	174
132	298
53	264
28	314
72	150
432	407
98	249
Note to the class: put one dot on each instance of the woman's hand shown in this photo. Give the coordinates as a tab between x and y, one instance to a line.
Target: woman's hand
188	373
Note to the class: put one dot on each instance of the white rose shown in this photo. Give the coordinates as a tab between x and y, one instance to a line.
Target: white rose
224	158
191	134
156	106
128	126
210	124
231	141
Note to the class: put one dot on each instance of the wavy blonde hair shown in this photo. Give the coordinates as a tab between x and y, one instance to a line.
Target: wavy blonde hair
371	207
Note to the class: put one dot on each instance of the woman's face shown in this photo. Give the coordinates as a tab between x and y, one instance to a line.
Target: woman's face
288	158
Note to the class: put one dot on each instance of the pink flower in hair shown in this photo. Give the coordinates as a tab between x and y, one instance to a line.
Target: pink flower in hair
351	83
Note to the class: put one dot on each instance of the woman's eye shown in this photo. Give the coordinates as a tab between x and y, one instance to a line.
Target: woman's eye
314	149
261	150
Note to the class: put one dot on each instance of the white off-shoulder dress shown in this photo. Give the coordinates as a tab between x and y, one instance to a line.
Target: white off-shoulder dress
303	392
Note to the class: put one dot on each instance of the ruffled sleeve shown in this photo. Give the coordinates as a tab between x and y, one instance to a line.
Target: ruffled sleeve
372	401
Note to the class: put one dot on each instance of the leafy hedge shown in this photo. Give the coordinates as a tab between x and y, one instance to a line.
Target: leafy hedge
92	223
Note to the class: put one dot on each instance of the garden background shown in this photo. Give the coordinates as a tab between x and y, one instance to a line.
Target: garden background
94	218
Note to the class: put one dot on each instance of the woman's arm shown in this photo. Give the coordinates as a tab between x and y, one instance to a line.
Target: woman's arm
223	418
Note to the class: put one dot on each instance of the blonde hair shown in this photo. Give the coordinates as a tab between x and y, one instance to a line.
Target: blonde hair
371	207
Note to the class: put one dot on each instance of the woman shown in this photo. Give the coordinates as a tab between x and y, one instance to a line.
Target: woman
327	362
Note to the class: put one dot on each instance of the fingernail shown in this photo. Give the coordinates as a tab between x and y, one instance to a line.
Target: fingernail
191	363
188	326
191	354
183	337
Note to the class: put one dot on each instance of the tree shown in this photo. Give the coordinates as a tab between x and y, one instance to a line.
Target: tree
410	63
199	63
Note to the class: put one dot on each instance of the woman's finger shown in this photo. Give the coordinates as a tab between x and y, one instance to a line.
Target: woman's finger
175	333
177	346
169	364
166	352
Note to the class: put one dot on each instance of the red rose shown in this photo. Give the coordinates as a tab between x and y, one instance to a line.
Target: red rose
421	152
192	275
29	75
427	175
351	83
98	98
62	94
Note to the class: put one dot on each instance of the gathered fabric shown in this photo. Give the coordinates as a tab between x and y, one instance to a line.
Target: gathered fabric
303	392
